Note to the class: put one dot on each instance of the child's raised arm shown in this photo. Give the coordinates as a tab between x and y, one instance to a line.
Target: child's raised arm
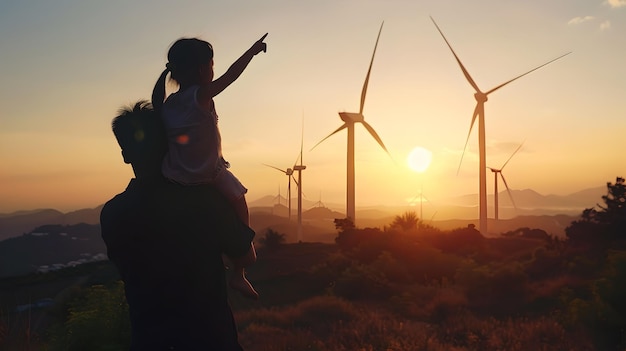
208	91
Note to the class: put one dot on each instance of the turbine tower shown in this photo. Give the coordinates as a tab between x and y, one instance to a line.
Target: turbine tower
495	192
479	111
289	173
300	167
350	119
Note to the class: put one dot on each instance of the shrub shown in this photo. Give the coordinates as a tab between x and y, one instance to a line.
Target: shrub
272	239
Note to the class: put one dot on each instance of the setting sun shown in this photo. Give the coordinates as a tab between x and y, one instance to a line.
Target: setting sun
419	159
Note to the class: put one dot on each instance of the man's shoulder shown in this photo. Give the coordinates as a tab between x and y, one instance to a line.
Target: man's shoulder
113	207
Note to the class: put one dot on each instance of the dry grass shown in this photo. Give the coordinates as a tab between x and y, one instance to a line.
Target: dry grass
327	323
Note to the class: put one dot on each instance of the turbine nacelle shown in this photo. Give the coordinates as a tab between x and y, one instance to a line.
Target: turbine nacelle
480	97
351	117
299	167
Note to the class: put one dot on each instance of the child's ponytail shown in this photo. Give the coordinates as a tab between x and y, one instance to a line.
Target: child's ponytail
158	93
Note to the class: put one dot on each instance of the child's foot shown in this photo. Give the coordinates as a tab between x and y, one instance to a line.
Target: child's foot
241	284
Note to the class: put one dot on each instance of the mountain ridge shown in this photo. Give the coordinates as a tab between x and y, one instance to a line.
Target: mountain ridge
464	208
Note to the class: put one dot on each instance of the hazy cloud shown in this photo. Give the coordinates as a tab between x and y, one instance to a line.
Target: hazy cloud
605	25
616	3
579	20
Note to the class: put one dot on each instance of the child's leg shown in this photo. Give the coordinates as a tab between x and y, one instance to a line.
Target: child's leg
238	281
241	208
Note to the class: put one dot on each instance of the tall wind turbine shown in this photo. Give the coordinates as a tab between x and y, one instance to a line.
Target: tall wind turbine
350	119
300	167
495	192
479	111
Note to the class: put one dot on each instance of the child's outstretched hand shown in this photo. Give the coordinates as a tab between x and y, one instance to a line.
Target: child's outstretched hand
259	45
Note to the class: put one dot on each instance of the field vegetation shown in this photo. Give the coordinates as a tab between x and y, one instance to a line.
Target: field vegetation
406	286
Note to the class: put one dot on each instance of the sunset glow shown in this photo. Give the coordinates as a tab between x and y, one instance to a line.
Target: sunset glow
57	149
419	159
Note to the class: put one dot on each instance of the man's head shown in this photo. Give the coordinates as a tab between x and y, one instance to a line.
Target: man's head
141	135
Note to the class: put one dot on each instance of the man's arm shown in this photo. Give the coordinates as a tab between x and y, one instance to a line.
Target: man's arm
207	92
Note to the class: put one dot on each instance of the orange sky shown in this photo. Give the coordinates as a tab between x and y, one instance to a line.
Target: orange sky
68	69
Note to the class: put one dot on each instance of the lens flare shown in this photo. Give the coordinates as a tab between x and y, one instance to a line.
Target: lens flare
182	139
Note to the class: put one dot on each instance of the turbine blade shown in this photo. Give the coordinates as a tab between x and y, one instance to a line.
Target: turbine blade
302	140
345	125
521	75
276	168
433	217
422	197
468	136
508	190
369	70
465	72
513	154
298	185
297	158
375	136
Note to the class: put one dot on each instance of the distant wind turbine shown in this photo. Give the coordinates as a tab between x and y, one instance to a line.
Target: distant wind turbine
495	192
479	111
319	203
350	119
278	196
421	200
289	173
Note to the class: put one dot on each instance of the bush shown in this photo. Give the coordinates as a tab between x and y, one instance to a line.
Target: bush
97	321
272	239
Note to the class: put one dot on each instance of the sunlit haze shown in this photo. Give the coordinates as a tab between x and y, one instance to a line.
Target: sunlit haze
68	66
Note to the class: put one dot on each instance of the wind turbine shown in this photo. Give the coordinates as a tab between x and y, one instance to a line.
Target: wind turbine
300	167
319	203
289	173
495	173
479	111
421	200
278	196
350	119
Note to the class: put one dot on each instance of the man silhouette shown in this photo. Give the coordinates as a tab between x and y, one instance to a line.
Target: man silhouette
167	243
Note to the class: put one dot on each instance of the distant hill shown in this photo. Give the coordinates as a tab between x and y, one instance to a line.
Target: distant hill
63	245
21	222
463	208
528	199
54	246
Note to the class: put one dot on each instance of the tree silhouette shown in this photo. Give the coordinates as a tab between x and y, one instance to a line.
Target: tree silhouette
344	224
272	239
407	221
603	226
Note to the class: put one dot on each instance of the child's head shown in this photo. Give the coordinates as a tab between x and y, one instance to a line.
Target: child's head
190	61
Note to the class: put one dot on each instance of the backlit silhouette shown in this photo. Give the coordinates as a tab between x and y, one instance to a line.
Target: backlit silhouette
479	111
350	119
497	171
300	167
289	173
